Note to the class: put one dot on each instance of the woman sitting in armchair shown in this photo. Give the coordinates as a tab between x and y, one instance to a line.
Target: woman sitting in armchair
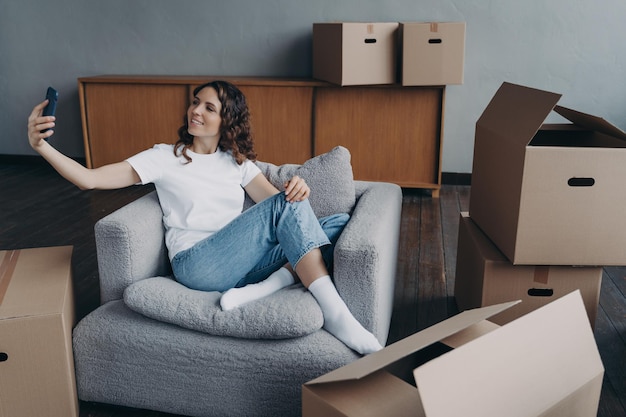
212	244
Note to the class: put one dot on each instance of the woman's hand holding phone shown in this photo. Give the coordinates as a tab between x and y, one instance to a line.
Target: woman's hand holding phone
42	118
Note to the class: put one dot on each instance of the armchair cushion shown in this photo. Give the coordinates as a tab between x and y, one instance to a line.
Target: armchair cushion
291	312
329	176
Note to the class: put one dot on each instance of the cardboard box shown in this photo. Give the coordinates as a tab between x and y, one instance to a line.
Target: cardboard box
545	363
36	320
549	194
432	53
484	276
354	53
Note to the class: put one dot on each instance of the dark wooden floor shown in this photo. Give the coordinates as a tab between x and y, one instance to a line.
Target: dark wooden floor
38	208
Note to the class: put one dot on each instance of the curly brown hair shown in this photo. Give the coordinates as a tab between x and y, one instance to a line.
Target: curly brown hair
235	129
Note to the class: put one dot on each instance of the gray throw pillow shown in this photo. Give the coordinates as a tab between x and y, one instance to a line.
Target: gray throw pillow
329	176
290	312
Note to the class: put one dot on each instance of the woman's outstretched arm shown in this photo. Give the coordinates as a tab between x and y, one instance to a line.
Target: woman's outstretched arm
117	175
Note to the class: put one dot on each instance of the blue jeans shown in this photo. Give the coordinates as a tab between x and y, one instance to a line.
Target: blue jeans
255	244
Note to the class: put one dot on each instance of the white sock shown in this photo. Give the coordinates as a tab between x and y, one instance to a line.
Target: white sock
236	297
338	320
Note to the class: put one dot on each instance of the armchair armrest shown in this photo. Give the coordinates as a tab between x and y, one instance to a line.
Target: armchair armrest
130	244
366	255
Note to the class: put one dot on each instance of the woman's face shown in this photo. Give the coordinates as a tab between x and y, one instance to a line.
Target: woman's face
203	115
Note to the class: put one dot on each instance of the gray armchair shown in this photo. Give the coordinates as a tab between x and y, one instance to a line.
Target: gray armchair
124	357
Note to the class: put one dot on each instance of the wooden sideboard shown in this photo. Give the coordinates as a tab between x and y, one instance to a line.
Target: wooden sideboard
394	133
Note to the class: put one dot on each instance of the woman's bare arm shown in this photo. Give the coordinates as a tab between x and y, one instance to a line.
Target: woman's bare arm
260	188
117	175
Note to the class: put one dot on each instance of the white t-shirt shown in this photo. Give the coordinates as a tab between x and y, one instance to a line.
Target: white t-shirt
197	198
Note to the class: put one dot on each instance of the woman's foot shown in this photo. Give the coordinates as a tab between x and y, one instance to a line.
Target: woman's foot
236	297
339	321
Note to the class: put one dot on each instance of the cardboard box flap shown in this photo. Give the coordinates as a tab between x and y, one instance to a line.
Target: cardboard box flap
516	112
525	368
590	122
396	351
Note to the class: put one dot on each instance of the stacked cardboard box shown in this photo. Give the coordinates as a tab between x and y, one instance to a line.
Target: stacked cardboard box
544	195
485	277
432	53
352	53
412	53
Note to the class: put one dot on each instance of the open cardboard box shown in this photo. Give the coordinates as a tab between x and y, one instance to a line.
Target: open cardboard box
545	363
549	194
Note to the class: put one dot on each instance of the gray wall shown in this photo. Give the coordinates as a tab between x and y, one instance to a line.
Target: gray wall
574	47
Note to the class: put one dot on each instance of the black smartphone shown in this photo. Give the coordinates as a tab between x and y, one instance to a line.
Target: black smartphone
53	96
